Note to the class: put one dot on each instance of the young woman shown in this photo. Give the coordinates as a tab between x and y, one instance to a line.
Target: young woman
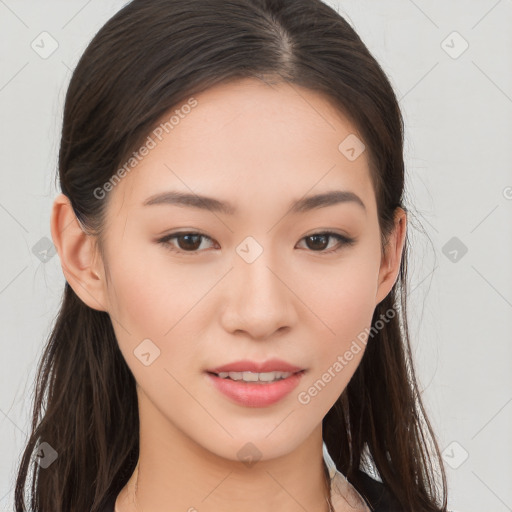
232	229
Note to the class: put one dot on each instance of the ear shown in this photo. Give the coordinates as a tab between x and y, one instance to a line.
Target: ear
78	256
390	261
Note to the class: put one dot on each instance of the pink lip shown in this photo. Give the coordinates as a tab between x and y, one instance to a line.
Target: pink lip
251	394
272	365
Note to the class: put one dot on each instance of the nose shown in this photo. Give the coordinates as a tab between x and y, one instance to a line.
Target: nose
259	300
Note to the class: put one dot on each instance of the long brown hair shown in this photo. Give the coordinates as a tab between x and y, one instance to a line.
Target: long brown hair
148	58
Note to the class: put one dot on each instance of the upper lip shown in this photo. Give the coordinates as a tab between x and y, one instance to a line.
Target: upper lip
272	365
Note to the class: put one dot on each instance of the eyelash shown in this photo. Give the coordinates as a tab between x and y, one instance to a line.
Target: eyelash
344	241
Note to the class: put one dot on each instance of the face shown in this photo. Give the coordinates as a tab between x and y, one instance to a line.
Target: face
193	286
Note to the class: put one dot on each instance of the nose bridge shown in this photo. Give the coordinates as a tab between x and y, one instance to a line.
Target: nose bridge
259	284
260	302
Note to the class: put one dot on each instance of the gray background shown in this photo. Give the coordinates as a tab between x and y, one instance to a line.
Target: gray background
457	107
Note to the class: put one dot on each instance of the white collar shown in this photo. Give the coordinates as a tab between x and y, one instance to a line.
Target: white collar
342	491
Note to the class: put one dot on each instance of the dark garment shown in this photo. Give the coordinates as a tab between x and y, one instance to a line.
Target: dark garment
376	494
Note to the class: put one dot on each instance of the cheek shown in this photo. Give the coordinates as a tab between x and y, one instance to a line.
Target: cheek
136	299
343	302
343	297
148	294
150	319
347	302
152	299
346	307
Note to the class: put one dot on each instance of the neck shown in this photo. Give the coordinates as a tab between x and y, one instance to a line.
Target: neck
174	470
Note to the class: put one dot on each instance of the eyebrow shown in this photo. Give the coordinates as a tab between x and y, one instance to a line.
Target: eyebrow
302	205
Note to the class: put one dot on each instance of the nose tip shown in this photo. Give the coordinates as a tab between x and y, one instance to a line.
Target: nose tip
258	302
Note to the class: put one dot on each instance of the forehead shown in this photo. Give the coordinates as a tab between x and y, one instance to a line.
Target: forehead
248	141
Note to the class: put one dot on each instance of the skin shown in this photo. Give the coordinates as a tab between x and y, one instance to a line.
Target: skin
259	147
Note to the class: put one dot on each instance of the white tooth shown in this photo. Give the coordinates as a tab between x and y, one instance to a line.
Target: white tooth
250	376
275	376
267	377
272	376
254	377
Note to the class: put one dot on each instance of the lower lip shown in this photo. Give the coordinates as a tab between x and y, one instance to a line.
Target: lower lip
250	394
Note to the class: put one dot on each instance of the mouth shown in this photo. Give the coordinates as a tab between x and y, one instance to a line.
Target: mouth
255	389
250	377
247	366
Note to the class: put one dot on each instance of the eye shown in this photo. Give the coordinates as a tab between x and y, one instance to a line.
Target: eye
318	241
190	242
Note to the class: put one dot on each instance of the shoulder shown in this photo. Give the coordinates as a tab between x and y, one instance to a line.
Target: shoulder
378	496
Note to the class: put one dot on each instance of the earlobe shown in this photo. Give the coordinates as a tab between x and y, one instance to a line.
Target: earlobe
77	254
390	263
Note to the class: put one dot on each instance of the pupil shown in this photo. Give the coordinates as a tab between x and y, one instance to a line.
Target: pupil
313	237
194	246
